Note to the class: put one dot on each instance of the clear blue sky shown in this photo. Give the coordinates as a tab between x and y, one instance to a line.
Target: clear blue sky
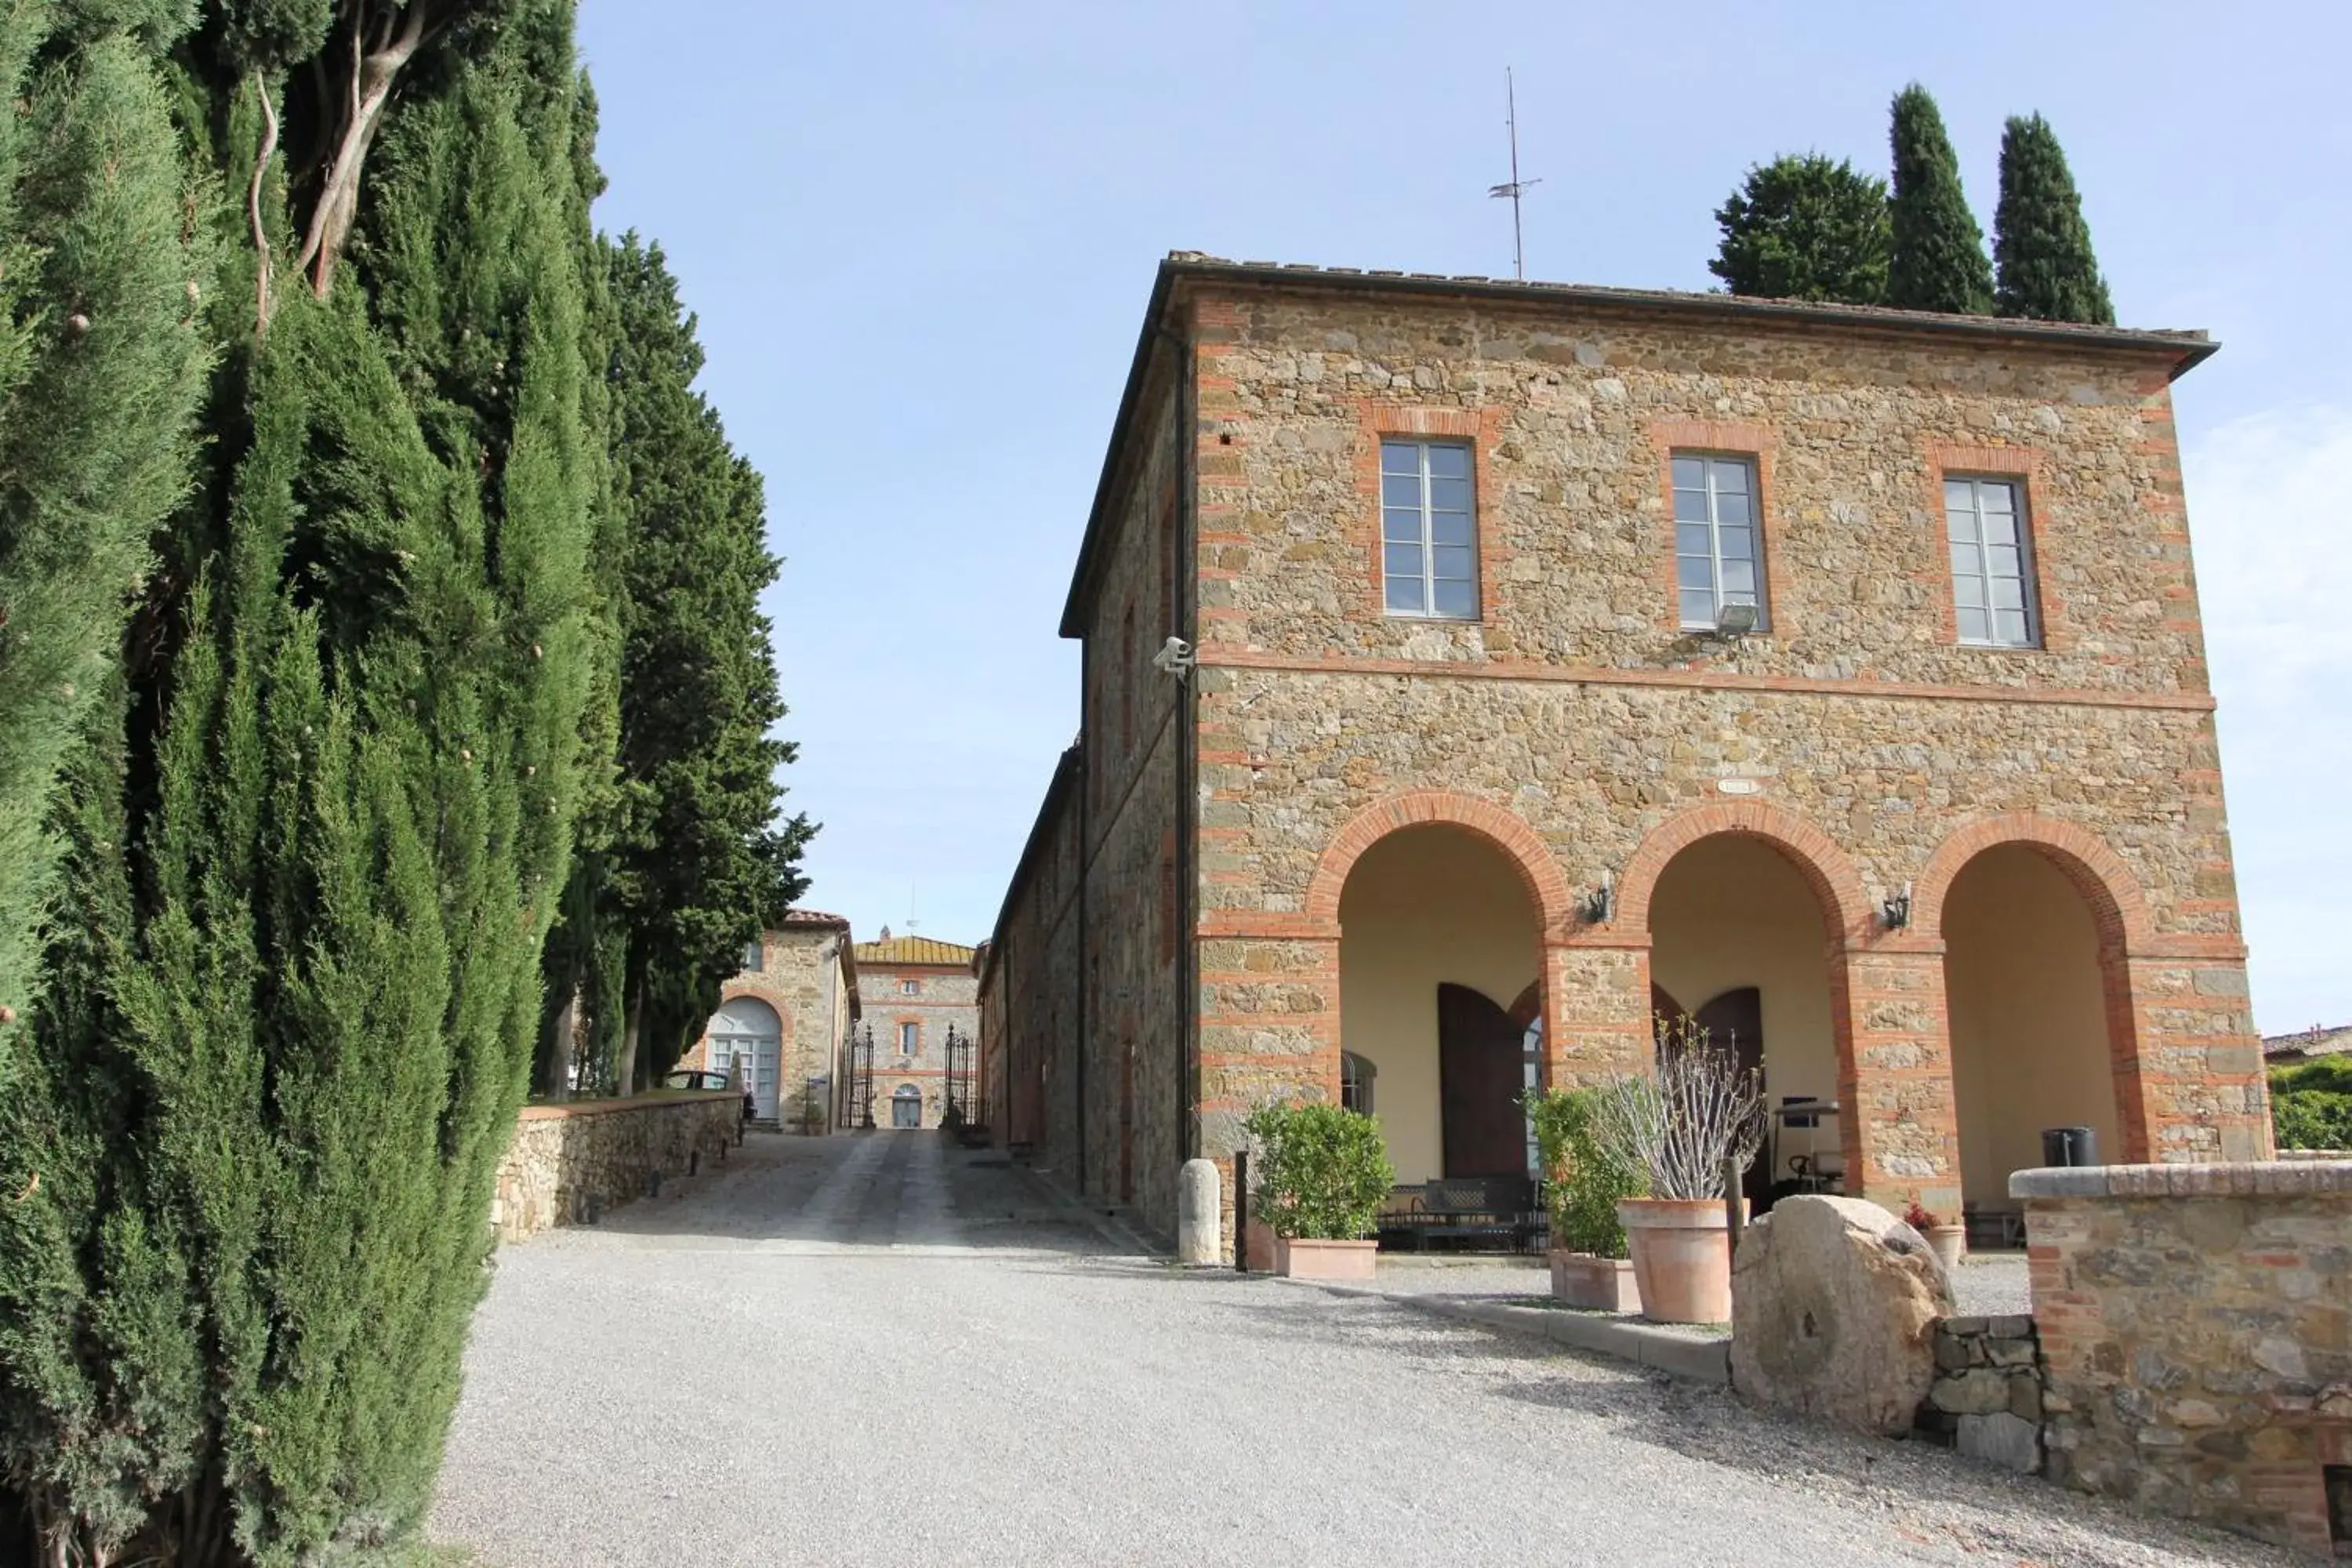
919	239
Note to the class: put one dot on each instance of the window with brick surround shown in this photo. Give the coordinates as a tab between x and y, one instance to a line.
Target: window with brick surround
1718	546
755	958
910	1037
1429	550
1992	564
910	988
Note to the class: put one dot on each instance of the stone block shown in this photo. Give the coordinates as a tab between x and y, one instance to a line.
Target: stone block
2002	1440
1977	1392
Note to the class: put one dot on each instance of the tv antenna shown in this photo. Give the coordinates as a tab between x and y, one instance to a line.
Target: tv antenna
1516	187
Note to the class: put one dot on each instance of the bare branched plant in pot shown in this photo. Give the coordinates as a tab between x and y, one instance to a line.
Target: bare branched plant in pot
1698	1115
1584	1181
1320	1175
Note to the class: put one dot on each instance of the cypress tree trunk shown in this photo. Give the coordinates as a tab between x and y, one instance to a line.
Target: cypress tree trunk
1938	259
2041	248
318	846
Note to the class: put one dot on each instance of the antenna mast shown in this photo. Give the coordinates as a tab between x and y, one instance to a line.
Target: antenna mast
1516	187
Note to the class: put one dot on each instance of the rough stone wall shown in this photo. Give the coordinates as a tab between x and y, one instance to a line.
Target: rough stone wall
571	1164
948	996
1029	986
2195	1325
800	975
1986	1398
1575	722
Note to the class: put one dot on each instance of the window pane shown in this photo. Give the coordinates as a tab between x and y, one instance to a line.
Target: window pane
1449	495
1451	562
1963	526
1729	477
1690	506
1735	544
1446	462
2007	593
1738	577
2001	527
1967	591
1401	527
1972	625
1690	473
2000	560
1992	496
1449	528
1457	599
2008	626
1694	571
1732	507
1964	562
1399	457
1699	607
1694	538
1404	595
1401	489
1956	497
1403	560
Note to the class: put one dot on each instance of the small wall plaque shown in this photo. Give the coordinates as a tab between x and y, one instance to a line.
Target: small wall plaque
1739	786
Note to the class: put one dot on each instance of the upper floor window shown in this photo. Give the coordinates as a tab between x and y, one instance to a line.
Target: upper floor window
1429	556
754	958
1992	576
910	1036
1718	560
910	988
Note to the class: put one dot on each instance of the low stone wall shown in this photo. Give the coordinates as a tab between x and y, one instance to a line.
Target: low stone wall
2196	1328
570	1163
1986	1398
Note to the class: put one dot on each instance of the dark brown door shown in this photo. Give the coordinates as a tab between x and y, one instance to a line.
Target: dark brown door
1480	1076
1734	1022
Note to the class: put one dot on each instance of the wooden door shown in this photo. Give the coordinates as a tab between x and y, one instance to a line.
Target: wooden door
1734	1022
1478	1077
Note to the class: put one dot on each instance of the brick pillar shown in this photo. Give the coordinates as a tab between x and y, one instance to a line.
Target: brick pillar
1596	1009
2189	1066
1269	1025
1900	1126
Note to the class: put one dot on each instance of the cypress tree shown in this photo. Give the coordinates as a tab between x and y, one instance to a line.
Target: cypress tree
316	845
1937	261
101	364
2043	261
1805	227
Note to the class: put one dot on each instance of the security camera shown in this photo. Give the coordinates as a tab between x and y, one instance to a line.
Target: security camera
1174	657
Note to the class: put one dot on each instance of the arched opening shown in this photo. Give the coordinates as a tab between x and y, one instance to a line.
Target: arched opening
1740	943
2025	991
906	1106
747	1030
1438	937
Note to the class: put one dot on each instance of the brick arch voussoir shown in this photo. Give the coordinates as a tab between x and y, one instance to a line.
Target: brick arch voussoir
2097	872
1827	869
1539	869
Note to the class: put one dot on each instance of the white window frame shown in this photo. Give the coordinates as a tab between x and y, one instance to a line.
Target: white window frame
1979	568
1426	540
755	957
1761	595
910	988
910	1039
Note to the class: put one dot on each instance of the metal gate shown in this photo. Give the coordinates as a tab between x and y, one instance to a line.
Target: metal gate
855	1108
967	1109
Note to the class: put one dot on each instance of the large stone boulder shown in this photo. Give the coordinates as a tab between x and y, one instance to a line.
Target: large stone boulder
1833	1303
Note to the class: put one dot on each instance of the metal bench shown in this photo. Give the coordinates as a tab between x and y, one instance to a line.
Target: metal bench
1473	1212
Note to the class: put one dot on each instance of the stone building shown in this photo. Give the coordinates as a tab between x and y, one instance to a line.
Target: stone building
786	1015
1563	658
914	990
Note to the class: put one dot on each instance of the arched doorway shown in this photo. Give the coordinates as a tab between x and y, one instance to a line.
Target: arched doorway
2026	995
1438	936
746	1029
906	1106
1739	942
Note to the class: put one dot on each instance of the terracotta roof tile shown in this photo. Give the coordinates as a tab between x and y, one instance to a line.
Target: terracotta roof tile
913	950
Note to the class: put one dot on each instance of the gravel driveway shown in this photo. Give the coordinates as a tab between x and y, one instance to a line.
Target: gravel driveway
877	1349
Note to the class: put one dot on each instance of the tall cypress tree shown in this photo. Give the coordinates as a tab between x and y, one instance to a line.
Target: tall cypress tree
102	364
2041	248
1805	227
289	1017
1937	261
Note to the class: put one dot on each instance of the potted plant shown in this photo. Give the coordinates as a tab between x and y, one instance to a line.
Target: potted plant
1320	1174
1950	1241
1584	1182
1680	1128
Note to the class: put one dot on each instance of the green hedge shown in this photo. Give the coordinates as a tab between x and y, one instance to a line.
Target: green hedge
1321	1172
2310	1104
1585	1179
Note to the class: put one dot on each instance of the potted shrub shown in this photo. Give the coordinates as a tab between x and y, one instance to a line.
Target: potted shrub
1951	1242
1680	1128
1584	1182
1318	1179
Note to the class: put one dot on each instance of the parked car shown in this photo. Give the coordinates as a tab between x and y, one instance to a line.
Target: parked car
692	1077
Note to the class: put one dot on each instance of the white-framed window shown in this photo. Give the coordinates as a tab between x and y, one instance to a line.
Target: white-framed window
1719	557
910	988
910	1038
1429	546
754	958
1992	566
1355	1076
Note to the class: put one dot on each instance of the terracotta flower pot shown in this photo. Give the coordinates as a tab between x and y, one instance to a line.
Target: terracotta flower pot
1950	1243
1586	1280
1682	1257
1300	1258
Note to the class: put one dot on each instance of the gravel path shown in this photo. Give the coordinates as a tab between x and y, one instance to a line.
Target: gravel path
873	1349
1986	1285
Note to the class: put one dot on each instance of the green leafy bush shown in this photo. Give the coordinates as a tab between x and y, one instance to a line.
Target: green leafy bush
1321	1172
2310	1104
1585	1178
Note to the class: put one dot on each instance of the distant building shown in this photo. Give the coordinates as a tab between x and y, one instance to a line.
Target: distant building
784	1017
2304	1044
913	991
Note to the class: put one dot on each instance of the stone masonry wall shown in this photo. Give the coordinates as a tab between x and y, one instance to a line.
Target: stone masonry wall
2195	1325
1987	1397
572	1163
946	997
800	976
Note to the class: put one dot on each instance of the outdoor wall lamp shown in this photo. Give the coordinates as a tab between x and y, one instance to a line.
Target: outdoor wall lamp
1602	901
1896	908
1735	621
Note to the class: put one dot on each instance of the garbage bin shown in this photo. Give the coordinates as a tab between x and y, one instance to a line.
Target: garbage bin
2068	1146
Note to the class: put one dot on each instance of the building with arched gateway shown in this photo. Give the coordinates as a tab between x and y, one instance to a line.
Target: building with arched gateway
785	1017
1554	660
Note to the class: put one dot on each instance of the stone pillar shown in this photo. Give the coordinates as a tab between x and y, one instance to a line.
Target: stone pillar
1596	1009
1269	999
2189	1066
1200	1241
1899	1125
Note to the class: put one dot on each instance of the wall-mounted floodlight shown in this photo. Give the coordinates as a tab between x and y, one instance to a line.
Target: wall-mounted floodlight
1896	908
1600	902
1735	620
1174	657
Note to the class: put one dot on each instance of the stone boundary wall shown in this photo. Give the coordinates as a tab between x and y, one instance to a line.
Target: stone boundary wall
1987	1400
571	1164
2196	1326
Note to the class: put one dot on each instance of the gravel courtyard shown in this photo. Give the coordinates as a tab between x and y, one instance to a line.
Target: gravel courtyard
880	1350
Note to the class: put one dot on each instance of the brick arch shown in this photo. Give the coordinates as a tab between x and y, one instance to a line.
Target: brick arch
2097	872
1827	869
1538	871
